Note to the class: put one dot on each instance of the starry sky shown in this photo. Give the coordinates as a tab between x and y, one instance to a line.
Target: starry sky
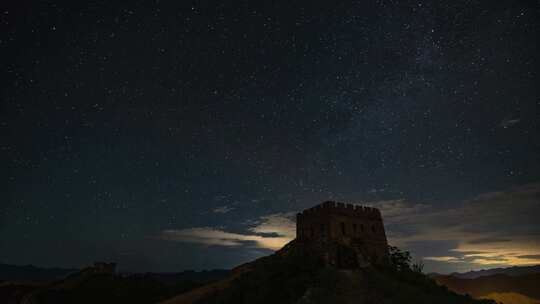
173	135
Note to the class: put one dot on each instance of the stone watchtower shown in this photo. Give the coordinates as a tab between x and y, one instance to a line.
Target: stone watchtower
355	228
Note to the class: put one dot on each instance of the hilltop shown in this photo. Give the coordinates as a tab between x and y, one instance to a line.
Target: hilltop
295	275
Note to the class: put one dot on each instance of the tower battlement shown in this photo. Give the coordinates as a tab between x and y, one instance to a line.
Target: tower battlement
331	207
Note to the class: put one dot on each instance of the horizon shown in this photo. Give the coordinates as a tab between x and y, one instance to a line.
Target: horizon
174	136
118	265
226	269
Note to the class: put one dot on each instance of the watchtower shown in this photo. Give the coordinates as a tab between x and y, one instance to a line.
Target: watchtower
351	225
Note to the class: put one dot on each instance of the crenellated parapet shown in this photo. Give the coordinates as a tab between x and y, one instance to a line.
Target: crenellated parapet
332	207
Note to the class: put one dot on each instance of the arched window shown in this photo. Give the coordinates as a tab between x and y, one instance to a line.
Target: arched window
343	232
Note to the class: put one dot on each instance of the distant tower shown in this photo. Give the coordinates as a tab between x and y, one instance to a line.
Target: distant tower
356	227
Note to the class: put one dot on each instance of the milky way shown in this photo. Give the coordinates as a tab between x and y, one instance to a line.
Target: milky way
139	133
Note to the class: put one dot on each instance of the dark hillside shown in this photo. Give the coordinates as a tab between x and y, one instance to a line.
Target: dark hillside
295	275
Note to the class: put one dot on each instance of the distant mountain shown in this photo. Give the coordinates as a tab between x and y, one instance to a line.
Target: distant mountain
96	284
30	273
297	275
514	289
510	271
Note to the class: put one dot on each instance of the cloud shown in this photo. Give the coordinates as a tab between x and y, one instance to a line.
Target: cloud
492	229
509	122
530	256
223	209
281	224
488	240
395	210
449	259
269	232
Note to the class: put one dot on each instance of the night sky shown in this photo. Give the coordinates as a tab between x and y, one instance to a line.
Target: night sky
173	135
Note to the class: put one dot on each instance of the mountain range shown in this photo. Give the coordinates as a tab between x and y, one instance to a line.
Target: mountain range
510	271
514	285
31	273
291	275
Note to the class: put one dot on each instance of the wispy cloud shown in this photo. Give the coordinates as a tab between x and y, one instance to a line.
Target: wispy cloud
449	259
280	224
509	122
223	209
530	256
269	232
